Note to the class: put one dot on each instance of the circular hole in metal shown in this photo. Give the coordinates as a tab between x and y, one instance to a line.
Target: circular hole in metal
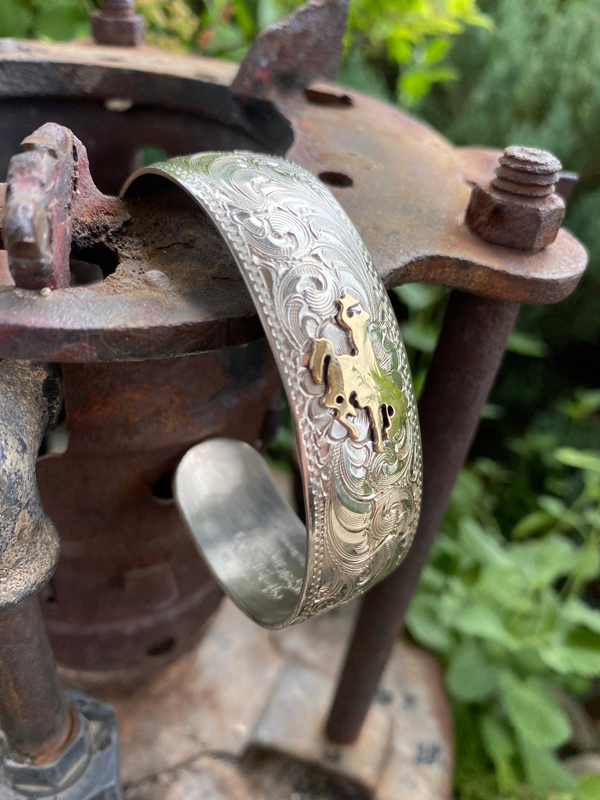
161	647
162	491
336	178
100	256
84	274
324	98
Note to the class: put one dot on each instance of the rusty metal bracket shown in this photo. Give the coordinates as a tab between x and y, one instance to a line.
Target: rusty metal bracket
363	148
48	187
289	55
37	216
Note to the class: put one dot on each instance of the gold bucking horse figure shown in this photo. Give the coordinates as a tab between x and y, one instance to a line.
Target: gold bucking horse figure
358	380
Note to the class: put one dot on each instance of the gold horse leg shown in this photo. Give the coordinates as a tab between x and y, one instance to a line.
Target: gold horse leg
321	349
376	424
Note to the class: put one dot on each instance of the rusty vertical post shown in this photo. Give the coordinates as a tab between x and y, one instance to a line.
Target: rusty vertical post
34	715
461	375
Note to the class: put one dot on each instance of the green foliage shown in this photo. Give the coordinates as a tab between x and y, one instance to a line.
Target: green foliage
502	599
39	19
396	49
409	40
506	616
535	80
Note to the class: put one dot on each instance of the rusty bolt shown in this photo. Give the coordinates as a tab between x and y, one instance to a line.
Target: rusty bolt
26	230
519	208
117	24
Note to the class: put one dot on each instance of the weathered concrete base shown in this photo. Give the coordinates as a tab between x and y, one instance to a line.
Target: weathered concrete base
241	718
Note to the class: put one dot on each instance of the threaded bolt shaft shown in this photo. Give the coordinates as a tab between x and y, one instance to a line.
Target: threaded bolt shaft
527	171
117	8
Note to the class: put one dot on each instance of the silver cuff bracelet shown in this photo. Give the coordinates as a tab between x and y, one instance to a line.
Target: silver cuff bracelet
343	364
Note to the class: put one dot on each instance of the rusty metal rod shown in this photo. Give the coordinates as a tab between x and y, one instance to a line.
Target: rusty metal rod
34	714
464	366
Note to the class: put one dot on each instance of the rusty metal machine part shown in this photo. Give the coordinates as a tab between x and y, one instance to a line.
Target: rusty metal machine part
48	185
30	400
36	721
131	593
417	234
117	23
518	208
37	228
291	54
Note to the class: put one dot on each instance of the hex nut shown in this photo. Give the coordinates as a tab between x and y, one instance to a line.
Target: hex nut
48	778
117	31
524	223
88	769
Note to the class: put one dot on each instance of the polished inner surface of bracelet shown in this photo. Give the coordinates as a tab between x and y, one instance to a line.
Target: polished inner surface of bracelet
252	540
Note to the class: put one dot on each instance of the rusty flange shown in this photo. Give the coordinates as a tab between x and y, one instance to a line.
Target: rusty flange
403	185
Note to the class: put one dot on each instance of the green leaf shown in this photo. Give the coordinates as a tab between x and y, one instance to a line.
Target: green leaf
587	402
579	613
543	770
470	676
571	660
492	411
419	296
535	522
399	49
15	19
587	562
526	345
267	12
536	717
582	459
553	505
415	85
420	336
587	787
483	546
481	621
61	20
545	560
500	748
436	50
424	624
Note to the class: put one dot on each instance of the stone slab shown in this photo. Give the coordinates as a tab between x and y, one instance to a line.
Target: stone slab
242	717
208	701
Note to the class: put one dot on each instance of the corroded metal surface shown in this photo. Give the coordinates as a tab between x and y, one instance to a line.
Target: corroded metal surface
117	23
36	720
291	54
518	208
49	186
30	400
36	229
415	232
130	593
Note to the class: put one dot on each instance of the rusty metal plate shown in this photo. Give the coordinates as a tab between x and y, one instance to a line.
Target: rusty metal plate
403	186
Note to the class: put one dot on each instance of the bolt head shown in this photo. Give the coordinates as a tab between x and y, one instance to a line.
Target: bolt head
524	223
117	31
